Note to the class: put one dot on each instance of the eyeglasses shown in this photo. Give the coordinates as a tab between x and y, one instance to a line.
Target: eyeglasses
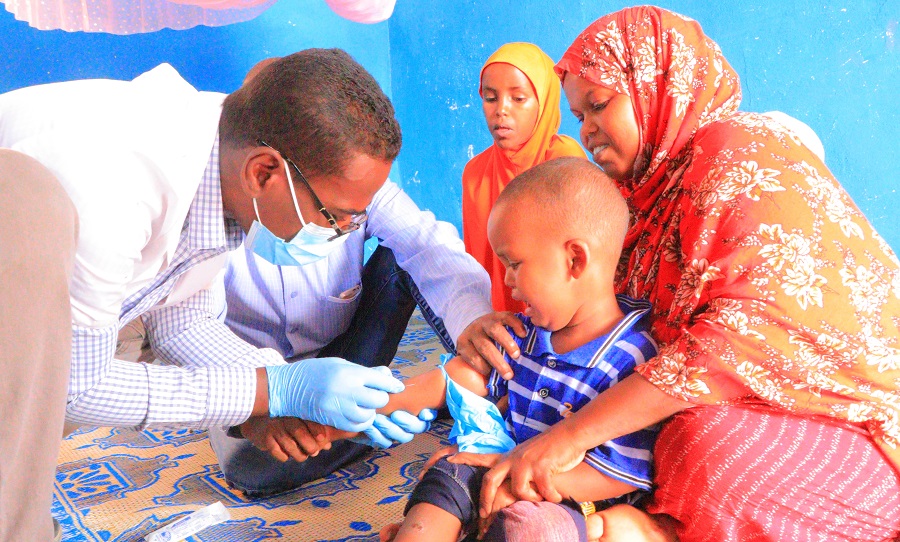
356	220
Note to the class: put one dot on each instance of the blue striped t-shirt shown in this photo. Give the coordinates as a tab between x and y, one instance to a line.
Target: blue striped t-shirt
548	386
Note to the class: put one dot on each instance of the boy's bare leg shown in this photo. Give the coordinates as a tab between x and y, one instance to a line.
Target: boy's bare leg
624	523
424	522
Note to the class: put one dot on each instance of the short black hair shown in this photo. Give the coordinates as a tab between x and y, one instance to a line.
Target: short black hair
319	107
575	196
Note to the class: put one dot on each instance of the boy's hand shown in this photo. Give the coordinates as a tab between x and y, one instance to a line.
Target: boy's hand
477	343
286	438
436	456
476	460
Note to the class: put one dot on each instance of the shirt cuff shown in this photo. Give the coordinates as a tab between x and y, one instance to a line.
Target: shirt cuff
465	310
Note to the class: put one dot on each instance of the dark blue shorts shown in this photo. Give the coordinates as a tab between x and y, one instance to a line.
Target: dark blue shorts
455	489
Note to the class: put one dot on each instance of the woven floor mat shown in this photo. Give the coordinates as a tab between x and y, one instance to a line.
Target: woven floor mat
121	484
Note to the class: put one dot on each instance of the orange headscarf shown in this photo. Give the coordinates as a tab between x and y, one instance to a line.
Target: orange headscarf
487	174
767	282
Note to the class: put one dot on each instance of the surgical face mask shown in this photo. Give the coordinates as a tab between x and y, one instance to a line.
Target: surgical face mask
310	245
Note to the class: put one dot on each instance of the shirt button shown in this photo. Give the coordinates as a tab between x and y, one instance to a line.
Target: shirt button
293	295
544	392
551	363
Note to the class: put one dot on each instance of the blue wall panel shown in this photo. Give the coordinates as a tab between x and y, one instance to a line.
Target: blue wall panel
833	65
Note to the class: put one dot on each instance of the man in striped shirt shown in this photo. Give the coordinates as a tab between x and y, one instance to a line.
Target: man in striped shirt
121	200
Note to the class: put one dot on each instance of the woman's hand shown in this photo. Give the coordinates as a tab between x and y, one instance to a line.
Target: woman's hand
477	343
503	498
530	468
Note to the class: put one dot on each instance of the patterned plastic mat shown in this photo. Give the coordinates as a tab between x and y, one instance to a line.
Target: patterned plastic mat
120	485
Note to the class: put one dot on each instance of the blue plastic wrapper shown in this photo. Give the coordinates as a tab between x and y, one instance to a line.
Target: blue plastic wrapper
478	424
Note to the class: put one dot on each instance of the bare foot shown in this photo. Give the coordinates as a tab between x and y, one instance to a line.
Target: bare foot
624	523
388	533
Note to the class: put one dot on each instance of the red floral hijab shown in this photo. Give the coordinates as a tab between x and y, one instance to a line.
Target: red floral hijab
768	283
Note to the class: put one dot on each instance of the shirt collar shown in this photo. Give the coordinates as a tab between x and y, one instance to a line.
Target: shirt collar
537	344
208	228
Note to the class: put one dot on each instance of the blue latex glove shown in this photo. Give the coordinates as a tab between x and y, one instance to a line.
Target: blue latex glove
400	427
330	391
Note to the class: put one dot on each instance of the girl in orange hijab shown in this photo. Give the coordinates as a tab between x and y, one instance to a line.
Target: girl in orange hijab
520	98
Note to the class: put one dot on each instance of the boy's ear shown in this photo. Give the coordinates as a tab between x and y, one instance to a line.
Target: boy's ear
578	254
260	169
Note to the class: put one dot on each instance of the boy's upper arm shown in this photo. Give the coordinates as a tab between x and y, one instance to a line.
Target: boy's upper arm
466	376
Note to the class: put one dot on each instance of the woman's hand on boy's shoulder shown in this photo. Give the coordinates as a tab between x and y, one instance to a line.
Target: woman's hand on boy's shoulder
477	344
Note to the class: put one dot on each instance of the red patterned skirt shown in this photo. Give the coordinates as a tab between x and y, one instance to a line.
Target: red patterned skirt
753	474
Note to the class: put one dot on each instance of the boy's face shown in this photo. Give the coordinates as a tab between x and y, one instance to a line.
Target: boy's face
536	264
509	104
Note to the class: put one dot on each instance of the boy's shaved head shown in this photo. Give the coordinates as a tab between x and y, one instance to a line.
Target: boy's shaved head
571	196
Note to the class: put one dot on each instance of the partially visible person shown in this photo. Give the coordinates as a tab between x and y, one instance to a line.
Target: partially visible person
776	305
163	182
520	99
581	339
36	260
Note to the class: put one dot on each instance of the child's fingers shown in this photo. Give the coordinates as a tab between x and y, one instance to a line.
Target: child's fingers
475	460
435	457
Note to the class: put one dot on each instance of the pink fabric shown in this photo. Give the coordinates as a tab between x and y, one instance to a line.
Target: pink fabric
363	11
758	474
133	16
525	521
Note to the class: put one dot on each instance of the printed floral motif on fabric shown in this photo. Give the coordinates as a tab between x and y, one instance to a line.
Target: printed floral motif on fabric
767	281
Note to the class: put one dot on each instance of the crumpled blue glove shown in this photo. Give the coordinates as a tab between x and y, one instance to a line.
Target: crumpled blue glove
330	391
400	428
478	425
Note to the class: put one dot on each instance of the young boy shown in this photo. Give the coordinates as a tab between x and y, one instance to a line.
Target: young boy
558	228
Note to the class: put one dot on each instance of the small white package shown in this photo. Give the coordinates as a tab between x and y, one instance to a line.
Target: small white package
191	524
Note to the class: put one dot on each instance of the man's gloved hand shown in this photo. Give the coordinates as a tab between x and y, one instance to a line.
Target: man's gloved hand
330	391
400	427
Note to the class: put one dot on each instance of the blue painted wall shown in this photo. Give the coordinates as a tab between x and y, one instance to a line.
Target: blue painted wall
834	65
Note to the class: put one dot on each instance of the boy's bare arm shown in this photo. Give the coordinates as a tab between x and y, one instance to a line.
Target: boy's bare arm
427	390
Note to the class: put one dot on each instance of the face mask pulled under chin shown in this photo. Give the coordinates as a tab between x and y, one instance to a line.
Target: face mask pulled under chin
310	245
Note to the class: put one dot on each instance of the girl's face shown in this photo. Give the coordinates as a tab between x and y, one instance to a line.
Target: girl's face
510	105
609	129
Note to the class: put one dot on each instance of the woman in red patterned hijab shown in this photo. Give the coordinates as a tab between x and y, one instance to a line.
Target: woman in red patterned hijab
776	305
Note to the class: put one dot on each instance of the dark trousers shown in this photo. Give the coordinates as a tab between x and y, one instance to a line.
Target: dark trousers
389	297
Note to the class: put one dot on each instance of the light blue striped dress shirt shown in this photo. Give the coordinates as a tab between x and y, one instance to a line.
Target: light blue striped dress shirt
298	310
